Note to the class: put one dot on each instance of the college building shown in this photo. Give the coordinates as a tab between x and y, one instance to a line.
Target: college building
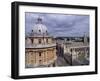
40	47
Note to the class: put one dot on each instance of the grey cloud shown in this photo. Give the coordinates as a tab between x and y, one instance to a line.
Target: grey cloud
59	24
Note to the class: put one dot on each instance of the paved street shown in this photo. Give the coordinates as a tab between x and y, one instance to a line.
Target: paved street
61	62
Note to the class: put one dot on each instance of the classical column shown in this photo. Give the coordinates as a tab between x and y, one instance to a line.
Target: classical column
37	58
46	56
43	57
34	57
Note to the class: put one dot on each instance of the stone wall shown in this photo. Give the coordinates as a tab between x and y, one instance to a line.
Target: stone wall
33	58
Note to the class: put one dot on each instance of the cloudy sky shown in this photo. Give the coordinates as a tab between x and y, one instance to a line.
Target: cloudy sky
59	24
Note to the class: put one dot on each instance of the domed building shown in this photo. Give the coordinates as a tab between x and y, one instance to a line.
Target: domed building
40	47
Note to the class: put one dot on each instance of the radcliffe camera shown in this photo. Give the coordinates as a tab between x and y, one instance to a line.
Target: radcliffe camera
55	40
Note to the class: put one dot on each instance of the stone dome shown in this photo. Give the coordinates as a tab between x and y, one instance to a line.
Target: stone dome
39	28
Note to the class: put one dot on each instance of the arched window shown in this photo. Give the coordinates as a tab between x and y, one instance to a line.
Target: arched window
32	40
46	40
39	53
39	41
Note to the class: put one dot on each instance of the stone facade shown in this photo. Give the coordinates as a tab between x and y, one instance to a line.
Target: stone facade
77	51
40	57
40	49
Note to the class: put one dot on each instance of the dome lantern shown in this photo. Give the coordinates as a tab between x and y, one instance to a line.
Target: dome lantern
39	27
39	20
